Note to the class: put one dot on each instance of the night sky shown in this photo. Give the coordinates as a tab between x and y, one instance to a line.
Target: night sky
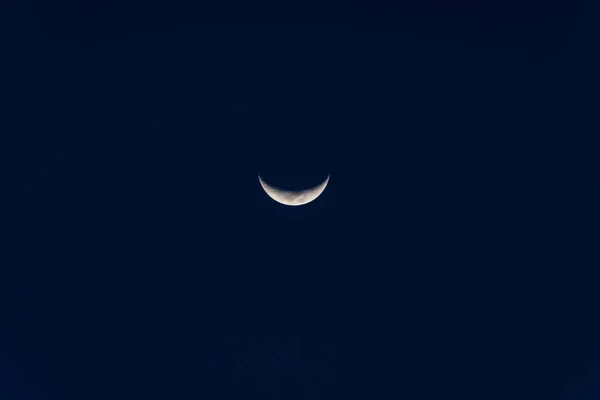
453	254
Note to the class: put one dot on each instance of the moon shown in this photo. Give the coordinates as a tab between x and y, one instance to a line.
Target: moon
294	198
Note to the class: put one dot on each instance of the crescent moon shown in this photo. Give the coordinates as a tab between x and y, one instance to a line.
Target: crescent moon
294	198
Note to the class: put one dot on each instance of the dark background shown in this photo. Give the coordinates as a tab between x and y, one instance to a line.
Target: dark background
453	253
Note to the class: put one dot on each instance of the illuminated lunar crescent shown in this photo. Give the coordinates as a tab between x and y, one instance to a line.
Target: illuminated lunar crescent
294	198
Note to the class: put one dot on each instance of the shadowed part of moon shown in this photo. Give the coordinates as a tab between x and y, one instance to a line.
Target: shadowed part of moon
293	198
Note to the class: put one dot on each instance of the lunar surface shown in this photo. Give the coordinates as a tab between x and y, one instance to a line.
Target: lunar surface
294	198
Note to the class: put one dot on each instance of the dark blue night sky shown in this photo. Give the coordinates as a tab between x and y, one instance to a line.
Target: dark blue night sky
453	253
